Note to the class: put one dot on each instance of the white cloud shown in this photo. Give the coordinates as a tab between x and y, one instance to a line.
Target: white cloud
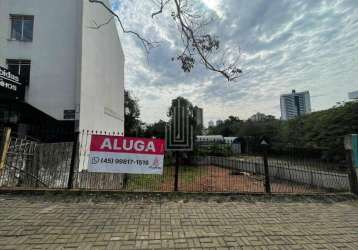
306	45
214	5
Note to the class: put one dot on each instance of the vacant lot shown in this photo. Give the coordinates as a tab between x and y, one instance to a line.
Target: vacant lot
212	179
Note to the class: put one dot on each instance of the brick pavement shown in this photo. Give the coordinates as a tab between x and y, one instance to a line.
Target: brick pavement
33	222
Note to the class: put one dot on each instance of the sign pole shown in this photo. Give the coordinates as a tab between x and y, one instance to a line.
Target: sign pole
353	182
267	174
73	161
179	133
265	145
349	146
4	147
176	176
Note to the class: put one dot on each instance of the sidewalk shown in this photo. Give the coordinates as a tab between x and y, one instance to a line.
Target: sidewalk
242	222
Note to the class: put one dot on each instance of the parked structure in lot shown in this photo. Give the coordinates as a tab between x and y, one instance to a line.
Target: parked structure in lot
73	72
205	139
295	104
208	140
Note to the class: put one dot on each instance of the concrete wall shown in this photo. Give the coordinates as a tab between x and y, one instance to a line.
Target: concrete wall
53	52
102	75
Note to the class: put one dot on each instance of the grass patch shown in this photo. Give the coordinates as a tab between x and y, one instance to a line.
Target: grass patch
149	182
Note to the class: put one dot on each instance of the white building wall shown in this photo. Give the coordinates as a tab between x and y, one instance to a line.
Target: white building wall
102	75
53	52
307	101
72	65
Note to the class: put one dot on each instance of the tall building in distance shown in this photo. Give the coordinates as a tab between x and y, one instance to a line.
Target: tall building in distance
211	124
198	114
258	117
199	119
353	95
219	122
295	104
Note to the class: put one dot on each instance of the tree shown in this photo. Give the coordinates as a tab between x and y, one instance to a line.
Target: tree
229	127
324	129
132	123
186	103
156	130
198	45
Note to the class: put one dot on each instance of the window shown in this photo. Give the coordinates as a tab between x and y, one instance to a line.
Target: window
22	27
21	68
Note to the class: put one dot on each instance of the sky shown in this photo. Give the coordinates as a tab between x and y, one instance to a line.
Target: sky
303	45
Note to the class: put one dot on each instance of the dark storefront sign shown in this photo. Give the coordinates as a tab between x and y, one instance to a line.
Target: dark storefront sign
10	86
69	114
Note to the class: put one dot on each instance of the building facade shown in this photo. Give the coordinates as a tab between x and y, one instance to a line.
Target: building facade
258	117
295	104
199	117
219	122
199	120
72	72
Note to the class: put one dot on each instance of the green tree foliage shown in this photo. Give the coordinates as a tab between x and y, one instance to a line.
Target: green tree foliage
156	130
233	126
322	130
132	123
190	111
229	127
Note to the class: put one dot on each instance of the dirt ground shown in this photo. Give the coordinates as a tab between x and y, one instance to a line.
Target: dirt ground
216	179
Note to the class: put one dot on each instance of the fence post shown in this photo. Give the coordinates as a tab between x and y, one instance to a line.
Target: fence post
176	176
352	173
73	161
267	173
5	143
350	144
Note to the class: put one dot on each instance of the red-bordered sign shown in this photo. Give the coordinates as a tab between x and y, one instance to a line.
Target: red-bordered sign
119	154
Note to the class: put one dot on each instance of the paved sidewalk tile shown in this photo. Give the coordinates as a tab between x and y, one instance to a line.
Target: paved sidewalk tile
27	223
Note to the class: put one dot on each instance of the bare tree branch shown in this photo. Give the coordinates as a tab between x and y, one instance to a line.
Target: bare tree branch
98	26
161	7
148	45
202	45
198	45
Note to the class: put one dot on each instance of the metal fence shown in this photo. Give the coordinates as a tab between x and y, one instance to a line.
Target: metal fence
31	164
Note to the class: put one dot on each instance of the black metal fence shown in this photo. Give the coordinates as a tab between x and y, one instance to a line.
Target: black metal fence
32	165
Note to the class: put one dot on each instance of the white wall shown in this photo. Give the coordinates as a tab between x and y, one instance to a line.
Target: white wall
102	76
54	51
72	65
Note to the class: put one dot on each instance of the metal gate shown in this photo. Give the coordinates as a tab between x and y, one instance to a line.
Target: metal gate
31	164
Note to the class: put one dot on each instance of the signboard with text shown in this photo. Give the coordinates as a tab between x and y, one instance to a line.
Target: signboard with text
10	85
119	154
